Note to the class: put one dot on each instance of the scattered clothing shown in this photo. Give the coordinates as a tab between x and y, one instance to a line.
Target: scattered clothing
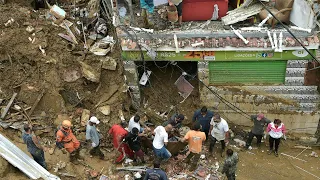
160	138
36	153
119	133
203	120
230	166
133	124
155	174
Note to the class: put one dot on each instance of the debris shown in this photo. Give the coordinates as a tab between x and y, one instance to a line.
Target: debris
215	14
252	29
30	29
237	32
308	172
197	44
142	29
293	157
265	20
85	117
105	110
300	29
66	37
57	12
59	165
109	63
240	142
302	147
4	113
67	175
184	87
104	177
270	39
89	72
36	102
250	153
106	96
137	175
42	50
71	75
95	49
176	43
314	154
9	22
144	78
241	14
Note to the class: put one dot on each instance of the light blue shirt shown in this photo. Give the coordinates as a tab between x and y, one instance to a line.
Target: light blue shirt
92	134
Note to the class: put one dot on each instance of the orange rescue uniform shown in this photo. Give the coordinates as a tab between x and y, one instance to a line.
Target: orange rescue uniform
67	138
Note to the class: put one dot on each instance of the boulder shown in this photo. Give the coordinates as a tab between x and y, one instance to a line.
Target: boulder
90	73
109	63
104	110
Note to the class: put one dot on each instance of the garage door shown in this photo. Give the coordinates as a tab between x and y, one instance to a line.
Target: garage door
247	72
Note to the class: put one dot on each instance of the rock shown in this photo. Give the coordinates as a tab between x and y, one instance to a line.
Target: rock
109	63
89	72
71	75
4	167
105	110
85	117
30	29
60	118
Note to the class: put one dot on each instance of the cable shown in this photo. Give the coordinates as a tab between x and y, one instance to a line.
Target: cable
265	7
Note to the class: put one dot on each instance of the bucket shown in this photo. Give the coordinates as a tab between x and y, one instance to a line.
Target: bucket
172	13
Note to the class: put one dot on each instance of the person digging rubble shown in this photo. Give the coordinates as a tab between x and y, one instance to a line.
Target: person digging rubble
178	4
259	123
195	139
67	142
156	173
118	134
147	8
135	122
219	131
93	136
160	142
134	141
203	116
230	164
276	130
175	121
33	145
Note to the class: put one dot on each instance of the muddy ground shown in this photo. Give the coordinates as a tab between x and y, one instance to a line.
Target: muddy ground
25	70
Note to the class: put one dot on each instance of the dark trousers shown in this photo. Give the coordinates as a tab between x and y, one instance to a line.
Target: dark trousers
213	142
275	141
195	158
96	151
231	176
250	138
39	158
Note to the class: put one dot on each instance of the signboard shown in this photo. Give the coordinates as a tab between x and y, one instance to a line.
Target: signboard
221	55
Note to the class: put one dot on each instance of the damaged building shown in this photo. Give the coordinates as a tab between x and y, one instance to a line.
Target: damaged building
244	56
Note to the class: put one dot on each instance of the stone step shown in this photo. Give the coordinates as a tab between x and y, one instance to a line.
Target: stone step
294	81
297	63
295	72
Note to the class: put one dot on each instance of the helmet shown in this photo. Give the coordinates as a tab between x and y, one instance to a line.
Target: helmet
66	124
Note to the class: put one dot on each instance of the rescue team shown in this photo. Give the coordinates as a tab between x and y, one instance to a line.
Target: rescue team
206	126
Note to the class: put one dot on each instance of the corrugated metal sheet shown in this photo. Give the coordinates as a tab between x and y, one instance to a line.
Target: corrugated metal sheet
247	72
19	159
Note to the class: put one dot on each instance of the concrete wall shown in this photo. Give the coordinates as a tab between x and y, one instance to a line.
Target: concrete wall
131	76
295	104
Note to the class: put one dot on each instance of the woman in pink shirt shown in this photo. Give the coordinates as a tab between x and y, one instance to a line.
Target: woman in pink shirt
276	130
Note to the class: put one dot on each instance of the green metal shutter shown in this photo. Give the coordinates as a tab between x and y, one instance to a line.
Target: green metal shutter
247	72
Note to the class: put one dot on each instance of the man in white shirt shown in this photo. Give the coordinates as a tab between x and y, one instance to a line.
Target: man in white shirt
160	142
219	131
134	122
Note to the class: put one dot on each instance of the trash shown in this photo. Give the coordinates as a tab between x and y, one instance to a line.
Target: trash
241	14
57	12
89	72
9	22
144	78
109	63
314	154
137	175
202	156
30	29
101	27
105	110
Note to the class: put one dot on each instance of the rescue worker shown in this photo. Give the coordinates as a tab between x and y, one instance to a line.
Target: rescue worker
175	121
34	146
259	124
66	141
93	135
118	134
230	164
203	116
219	131
134	141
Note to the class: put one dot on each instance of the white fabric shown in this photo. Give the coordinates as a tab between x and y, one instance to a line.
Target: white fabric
94	119
133	124
161	136
219	129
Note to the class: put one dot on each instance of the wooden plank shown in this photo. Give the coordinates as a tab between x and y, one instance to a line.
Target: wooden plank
36	102
3	115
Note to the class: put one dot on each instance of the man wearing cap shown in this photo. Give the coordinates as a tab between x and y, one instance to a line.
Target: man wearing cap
93	135
175	121
203	116
66	140
259	123
118	134
219	131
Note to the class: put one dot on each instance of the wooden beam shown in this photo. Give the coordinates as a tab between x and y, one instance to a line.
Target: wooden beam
3	115
36	102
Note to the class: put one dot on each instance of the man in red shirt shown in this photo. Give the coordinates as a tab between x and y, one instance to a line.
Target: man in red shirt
118	133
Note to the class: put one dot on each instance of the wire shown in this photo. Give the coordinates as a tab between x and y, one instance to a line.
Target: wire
274	16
